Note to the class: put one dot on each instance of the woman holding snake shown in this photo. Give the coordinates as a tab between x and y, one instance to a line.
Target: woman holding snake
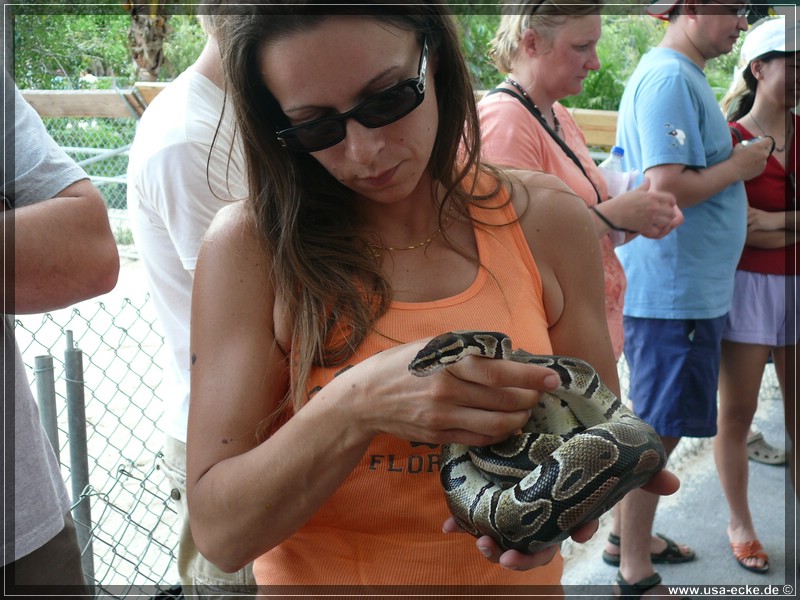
372	227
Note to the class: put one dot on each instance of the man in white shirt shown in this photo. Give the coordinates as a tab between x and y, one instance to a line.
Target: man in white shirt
185	164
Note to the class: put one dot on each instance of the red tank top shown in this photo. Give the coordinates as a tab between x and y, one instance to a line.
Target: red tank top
774	190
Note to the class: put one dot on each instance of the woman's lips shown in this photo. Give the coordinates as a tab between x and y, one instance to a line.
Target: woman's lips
380	179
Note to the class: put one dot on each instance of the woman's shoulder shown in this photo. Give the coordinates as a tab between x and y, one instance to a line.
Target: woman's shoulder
549	212
540	191
496	102
232	241
232	222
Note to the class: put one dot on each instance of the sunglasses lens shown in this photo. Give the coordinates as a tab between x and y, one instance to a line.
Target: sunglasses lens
315	136
388	107
383	109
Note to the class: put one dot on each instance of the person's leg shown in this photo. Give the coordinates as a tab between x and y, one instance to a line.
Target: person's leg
637	511
662	548
52	569
674	388
741	370
785	358
199	577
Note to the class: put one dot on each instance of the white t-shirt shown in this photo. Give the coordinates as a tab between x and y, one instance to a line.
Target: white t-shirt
35	494
174	191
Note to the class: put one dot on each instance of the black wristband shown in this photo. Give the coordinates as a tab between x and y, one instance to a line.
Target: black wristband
607	221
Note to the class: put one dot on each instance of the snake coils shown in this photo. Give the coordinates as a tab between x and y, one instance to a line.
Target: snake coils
581	451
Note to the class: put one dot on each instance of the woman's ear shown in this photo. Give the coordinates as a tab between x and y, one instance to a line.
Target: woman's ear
755	68
531	43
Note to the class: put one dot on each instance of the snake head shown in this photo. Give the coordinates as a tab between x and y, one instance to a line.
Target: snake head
450	347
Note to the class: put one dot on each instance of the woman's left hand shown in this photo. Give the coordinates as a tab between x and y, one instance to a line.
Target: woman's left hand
663	483
519	561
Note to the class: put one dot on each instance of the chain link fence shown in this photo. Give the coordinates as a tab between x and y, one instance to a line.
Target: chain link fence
100	146
132	544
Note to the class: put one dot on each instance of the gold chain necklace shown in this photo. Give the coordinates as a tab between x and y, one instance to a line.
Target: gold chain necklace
378	249
786	133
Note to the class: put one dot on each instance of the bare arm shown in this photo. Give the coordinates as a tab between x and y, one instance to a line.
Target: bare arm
63	248
692	186
641	211
771	229
572	278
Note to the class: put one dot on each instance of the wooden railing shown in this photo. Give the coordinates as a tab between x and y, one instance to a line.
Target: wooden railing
599	126
115	104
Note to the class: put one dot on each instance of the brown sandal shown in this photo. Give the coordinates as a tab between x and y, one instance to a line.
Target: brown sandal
754	549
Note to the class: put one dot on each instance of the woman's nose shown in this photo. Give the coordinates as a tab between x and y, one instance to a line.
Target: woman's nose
362	143
594	62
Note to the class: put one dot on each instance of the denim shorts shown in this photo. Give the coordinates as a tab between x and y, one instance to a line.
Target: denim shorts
674	367
764	311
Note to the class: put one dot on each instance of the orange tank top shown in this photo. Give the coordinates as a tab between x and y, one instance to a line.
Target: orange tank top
383	526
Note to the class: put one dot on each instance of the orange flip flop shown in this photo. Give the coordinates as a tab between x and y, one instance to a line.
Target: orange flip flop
744	550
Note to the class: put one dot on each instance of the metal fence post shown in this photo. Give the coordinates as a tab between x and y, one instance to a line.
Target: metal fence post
79	454
46	394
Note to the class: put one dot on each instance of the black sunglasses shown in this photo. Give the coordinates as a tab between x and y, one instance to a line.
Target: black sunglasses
377	111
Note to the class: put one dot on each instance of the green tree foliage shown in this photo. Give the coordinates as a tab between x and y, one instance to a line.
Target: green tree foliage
477	32
51	52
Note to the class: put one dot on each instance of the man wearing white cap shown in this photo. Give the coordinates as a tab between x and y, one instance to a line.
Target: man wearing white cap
681	286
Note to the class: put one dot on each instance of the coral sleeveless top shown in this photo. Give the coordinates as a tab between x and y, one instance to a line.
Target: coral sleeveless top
383	526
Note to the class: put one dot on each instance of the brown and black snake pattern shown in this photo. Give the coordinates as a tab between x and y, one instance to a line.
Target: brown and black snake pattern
580	453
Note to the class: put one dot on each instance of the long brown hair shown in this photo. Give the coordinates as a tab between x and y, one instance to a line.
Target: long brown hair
328	279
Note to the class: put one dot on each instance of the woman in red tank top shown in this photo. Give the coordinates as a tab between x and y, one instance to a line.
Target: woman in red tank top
764	316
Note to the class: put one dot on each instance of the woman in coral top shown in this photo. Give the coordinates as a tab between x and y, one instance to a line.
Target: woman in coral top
546	49
312	450
764	315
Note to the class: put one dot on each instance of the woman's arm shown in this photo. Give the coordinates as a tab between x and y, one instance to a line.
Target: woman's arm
640	211
244	497
771	229
570	264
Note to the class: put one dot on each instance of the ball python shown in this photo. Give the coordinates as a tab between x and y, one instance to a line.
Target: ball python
581	451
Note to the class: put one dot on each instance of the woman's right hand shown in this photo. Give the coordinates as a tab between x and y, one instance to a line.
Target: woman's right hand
476	401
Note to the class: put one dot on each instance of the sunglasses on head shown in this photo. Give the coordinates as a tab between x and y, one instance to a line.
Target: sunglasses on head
377	111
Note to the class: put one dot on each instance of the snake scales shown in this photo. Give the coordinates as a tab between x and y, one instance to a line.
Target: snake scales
581	451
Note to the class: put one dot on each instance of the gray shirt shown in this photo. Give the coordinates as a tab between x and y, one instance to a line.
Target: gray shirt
36	498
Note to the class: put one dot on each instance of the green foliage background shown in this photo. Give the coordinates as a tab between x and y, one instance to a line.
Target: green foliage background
51	52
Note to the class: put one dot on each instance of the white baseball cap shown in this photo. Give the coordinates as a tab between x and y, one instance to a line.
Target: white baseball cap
769	35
